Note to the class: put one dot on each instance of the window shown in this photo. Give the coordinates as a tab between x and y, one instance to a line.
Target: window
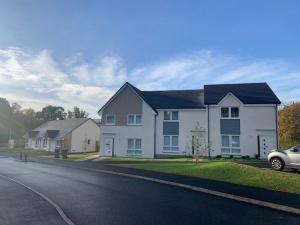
110	119
230	112
170	143
171	115
45	142
58	143
230	144
134	147
134	120
89	141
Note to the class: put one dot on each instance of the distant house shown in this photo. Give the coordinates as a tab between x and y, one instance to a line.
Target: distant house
239	120
71	134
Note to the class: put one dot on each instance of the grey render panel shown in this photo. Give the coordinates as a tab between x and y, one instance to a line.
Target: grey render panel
171	128
126	102
230	126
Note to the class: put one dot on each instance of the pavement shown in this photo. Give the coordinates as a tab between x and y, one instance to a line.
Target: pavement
288	202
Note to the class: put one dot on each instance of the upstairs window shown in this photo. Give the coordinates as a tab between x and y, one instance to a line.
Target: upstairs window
110	119
171	115
134	120
230	112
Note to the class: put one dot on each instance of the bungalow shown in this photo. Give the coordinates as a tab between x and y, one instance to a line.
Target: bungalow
71	134
237	119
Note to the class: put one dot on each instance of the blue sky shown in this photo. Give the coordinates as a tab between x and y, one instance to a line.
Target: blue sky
79	53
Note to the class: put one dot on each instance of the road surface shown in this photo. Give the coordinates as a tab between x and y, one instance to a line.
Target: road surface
90	197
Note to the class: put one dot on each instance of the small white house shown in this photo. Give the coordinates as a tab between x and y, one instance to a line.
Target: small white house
238	119
71	134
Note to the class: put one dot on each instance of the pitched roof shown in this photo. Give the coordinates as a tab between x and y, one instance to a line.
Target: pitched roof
249	93
57	128
176	99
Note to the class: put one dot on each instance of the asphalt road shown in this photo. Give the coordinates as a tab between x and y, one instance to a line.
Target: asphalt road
89	197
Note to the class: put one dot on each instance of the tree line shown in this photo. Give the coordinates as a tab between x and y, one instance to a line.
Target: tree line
15	121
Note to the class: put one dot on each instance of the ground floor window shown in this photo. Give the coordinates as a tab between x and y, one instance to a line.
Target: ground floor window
170	143
36	143
134	147
231	144
45	141
58	143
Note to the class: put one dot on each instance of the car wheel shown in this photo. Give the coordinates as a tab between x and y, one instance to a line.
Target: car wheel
277	164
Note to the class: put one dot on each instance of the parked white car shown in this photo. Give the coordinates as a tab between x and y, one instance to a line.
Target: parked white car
290	158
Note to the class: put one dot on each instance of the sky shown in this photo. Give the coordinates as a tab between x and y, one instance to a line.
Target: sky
80	52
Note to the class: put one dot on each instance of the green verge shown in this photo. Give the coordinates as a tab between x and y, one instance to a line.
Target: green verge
174	159
228	172
24	150
46	154
75	156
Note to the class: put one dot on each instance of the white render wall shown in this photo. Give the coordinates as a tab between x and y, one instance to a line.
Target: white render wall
121	134
187	122
255	120
91	131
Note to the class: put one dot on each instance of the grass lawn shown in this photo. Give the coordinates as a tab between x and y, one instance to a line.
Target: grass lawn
228	171
47	154
75	156
29	151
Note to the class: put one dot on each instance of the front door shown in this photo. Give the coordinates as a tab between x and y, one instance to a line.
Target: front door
109	146
266	144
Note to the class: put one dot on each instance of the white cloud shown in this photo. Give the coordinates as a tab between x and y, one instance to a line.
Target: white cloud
37	80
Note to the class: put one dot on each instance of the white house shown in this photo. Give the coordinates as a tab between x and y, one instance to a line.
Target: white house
71	134
238	119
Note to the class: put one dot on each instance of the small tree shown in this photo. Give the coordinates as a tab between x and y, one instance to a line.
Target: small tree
196	142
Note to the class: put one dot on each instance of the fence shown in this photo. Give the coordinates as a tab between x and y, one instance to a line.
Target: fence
16	143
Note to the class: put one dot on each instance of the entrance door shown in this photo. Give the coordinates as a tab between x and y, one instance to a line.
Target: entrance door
266	144
109	146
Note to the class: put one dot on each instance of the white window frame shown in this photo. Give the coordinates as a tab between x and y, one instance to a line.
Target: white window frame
134	147
230	113
171	144
88	142
231	147
45	142
106	121
171	117
134	120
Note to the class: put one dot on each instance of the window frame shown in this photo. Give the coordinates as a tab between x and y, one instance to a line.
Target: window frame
231	147
134	149
134	120
45	142
106	121
88	142
229	111
171	115
171	144
58	143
